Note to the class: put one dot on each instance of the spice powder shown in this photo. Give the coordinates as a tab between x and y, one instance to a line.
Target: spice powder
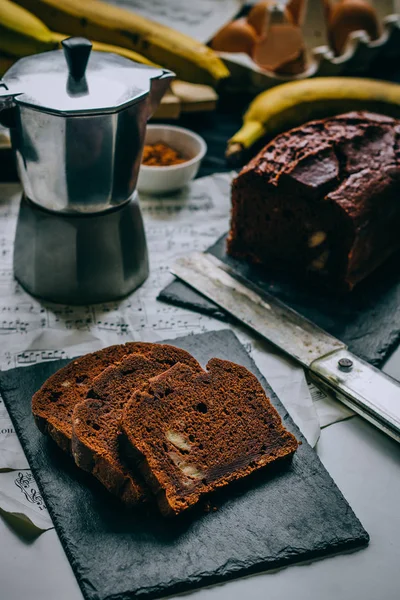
161	155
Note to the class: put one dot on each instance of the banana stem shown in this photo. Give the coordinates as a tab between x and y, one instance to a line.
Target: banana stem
250	132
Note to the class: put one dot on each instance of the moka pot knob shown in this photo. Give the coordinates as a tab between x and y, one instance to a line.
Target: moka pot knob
77	51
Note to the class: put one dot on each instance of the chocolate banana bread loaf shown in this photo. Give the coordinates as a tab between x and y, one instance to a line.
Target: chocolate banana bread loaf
192	432
96	420
323	199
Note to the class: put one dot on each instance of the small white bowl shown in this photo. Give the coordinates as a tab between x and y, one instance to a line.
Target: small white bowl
161	180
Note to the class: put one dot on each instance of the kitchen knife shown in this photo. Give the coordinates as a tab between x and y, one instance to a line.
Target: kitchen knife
357	384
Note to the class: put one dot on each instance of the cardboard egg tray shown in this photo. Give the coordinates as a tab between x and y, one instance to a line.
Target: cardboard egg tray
322	62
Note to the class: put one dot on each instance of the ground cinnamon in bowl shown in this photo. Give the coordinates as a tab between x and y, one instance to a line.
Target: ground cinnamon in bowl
161	155
171	159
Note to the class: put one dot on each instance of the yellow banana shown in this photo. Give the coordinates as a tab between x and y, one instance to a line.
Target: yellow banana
96	20
21	33
291	104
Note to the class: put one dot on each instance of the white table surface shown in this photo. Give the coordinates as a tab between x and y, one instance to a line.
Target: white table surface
365	465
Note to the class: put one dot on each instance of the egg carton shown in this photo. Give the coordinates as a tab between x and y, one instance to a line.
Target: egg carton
322	62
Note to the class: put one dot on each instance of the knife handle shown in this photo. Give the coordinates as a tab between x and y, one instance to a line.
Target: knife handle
362	387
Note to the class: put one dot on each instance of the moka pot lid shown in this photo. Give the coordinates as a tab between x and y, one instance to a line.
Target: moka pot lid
77	80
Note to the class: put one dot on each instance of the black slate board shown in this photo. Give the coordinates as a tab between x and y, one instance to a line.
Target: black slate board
367	320
296	513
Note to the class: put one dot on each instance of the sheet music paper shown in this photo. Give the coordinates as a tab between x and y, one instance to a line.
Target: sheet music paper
20	497
32	331
200	19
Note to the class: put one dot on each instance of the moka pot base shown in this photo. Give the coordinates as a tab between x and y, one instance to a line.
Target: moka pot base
80	259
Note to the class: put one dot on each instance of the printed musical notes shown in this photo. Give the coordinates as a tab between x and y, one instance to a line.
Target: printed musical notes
32	357
188	220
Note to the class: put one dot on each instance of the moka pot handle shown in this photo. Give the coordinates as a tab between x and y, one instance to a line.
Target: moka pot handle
7	96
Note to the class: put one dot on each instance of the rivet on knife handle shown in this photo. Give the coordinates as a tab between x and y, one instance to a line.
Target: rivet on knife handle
364	388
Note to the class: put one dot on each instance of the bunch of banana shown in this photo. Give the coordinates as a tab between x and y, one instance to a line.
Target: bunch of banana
22	34
291	104
96	20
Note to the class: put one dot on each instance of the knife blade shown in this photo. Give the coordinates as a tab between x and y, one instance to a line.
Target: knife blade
360	386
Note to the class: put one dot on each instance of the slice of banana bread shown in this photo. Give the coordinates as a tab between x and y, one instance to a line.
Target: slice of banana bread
96	420
191	433
54	402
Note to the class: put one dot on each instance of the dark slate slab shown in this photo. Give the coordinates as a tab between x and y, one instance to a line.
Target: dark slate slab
367	320
292	514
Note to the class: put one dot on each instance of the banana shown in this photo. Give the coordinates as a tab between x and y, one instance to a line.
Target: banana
96	20
21	33
291	104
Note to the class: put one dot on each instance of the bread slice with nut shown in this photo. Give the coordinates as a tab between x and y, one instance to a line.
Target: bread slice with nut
96	420
54	402
193	432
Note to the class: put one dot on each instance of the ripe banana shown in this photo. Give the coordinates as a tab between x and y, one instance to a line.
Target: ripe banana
96	20
26	34
291	104
21	33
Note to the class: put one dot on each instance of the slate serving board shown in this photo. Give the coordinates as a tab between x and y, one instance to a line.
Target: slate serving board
293	514
367	320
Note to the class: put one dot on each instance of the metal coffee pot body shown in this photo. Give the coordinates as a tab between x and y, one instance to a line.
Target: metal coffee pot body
78	122
79	164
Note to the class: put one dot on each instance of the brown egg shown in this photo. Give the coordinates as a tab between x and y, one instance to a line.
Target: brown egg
348	16
294	65
237	36
260	15
281	50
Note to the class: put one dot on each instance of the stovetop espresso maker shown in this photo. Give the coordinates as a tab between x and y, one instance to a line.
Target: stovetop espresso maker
77	120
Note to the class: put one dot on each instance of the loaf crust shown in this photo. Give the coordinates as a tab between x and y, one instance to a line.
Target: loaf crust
96	420
191	433
322	199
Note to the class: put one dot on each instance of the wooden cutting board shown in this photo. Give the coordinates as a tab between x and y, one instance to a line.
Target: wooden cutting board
184	97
